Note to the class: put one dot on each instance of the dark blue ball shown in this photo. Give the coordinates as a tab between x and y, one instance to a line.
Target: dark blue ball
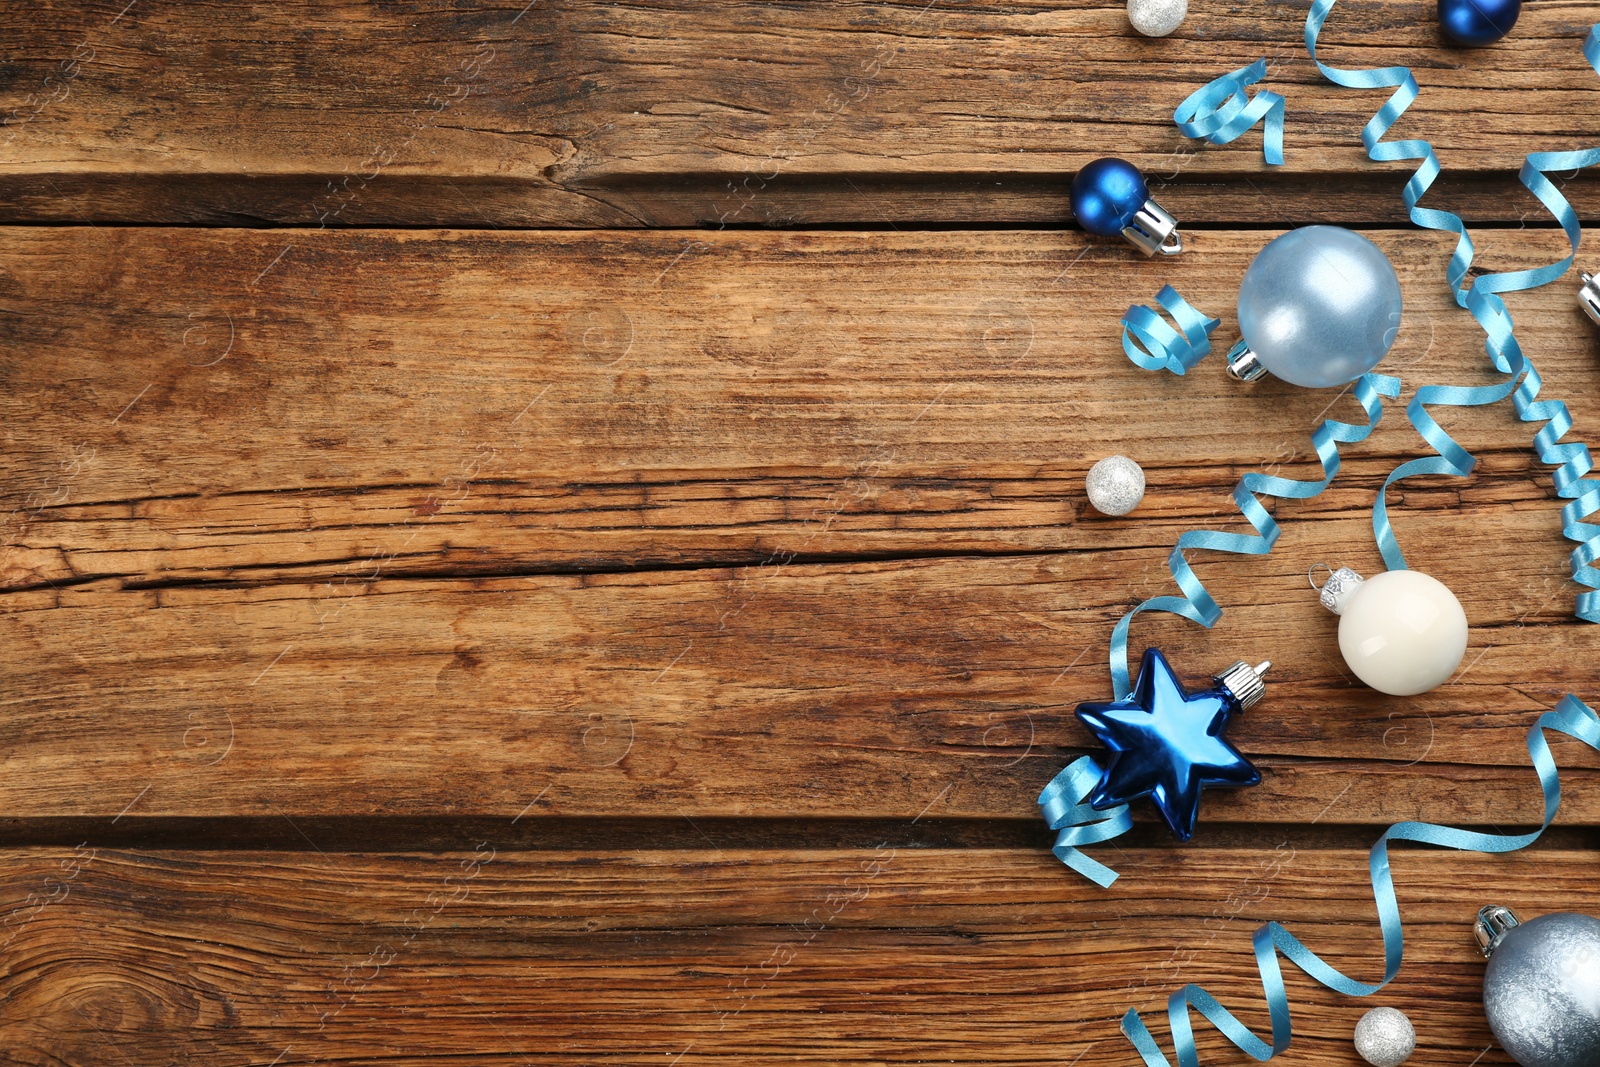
1478	22
1106	195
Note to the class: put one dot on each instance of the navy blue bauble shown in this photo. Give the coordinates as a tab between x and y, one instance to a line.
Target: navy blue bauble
1106	195
1478	22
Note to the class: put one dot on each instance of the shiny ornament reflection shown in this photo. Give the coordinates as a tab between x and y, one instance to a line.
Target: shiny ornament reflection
1589	297
1168	744
1478	22
1319	307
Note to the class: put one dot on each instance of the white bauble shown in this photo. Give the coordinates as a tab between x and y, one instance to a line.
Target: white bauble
1402	632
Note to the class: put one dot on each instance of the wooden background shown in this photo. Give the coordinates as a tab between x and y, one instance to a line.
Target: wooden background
556	534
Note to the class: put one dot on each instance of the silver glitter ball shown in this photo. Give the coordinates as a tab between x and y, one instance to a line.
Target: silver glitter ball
1542	991
1385	1037
1157	18
1116	485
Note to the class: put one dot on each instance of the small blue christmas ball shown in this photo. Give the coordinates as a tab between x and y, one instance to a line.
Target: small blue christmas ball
1478	22
1106	195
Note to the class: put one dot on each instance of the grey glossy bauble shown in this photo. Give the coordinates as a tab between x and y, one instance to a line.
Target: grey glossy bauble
1542	988
1385	1037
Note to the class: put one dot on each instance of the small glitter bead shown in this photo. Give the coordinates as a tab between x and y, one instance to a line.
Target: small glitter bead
1116	485
1157	18
1385	1037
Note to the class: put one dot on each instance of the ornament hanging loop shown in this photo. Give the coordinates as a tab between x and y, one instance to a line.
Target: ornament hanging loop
1341	586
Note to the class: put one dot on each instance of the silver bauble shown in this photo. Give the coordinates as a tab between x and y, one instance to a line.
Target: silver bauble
1115	485
1385	1037
1157	18
1542	988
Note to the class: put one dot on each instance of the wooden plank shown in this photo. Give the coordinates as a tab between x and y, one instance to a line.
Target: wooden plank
689	113
408	666
885	955
250	407
807	691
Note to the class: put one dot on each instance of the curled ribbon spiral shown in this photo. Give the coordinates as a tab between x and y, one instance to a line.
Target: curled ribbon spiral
1153	345
1221	111
1197	604
1481	297
1573	462
1571	717
1064	802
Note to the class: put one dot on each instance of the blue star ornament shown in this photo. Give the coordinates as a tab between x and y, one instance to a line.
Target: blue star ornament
1167	743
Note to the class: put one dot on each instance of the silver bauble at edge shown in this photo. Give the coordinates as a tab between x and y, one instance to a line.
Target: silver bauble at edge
1542	987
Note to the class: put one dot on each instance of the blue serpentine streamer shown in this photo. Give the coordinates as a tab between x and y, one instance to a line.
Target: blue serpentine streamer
1571	717
1153	345
1064	801
1221	111
1197	604
1481	297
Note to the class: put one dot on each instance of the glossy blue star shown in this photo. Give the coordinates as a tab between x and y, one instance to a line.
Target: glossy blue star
1166	744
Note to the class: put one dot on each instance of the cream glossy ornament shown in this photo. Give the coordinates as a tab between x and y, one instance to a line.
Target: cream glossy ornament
1401	632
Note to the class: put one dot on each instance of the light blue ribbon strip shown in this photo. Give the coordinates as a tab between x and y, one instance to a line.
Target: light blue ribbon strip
1481	297
1153	345
1198	605
1571	717
1221	111
1064	802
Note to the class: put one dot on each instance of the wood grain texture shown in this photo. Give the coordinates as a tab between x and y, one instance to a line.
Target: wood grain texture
255	407
559	639
877	955
400	630
685	113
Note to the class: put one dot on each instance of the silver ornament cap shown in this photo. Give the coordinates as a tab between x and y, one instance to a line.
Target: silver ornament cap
1494	922
1385	1037
1115	485
1541	990
1337	591
1243	364
1589	297
1247	684
1157	18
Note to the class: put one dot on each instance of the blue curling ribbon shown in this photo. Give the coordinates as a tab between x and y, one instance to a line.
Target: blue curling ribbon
1153	345
1064	800
1065	805
1481	297
1197	604
1571	717
1221	111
